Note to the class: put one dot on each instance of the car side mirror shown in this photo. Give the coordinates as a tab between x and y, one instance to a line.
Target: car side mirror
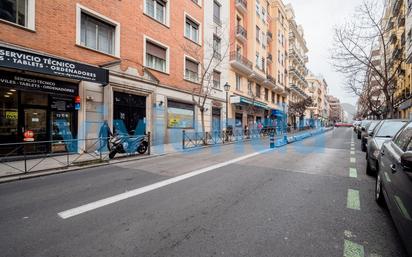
406	161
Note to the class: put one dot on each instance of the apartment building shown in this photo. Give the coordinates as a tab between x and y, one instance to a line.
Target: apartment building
134	64
336	110
318	90
395	14
258	30
298	59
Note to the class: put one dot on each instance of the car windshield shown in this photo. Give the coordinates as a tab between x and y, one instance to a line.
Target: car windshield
365	123
389	128
372	125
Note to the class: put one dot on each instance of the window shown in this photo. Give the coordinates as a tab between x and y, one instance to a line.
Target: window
191	70
156	56
238	82
273	97
217	47
257	59
266	94
257	8
249	87
263	64
14	11
180	115
97	34
258	91
216	12
192	30
156	9
216	79
404	137
257	34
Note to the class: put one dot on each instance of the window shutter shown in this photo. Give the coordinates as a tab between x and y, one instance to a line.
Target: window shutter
155	50
192	66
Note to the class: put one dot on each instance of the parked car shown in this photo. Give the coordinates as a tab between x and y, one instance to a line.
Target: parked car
366	132
356	125
384	131
394	182
363	125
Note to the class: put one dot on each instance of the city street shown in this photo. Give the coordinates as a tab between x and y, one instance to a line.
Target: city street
309	198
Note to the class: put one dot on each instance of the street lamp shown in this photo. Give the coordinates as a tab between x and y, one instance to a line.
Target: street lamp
227	88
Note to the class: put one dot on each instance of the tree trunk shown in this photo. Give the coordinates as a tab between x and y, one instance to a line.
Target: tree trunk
202	118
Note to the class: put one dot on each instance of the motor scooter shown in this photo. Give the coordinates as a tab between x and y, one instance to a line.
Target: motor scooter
128	144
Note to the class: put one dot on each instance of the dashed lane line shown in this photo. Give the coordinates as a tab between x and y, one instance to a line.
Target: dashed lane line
353	201
353	160
352	249
353	173
116	198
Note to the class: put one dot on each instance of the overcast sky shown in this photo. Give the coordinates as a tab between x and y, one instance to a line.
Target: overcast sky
318	18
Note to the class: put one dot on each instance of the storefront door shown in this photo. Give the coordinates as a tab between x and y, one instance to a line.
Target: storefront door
35	120
216	120
129	113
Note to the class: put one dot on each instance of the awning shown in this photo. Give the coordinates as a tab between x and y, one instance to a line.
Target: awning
245	100
277	113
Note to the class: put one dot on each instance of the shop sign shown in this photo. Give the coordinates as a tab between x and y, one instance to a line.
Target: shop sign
23	60
26	82
11	115
28	136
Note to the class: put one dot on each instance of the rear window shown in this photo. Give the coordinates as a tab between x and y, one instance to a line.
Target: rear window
372	125
389	128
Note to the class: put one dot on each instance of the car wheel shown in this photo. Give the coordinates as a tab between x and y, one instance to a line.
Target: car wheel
379	191
359	136
363	147
368	168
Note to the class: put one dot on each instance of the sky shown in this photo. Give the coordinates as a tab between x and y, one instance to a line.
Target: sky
318	18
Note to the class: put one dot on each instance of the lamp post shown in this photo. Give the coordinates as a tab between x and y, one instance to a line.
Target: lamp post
227	88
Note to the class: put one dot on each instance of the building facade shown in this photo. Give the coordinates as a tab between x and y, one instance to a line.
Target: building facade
298	59
146	69
258	39
318	90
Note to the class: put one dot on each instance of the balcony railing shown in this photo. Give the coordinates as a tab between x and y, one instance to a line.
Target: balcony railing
269	36
241	5
239	58
396	7
241	31
270	58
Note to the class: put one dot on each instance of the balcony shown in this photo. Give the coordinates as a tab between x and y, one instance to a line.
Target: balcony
298	75
401	21
241	33
241	63
298	91
269	36
393	39
397	4
270	58
241	5
396	54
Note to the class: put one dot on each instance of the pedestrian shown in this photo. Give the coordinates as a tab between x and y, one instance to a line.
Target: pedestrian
104	137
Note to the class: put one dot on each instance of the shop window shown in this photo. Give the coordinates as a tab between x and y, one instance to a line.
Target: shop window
191	70
156	56
192	30
180	115
39	99
8	116
157	9
238	120
97	34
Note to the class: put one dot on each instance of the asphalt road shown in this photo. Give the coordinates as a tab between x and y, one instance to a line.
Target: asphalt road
299	200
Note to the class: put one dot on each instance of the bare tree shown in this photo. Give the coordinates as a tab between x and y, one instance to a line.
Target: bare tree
210	57
352	53
299	108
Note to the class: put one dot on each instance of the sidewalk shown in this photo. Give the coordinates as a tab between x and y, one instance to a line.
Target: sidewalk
45	165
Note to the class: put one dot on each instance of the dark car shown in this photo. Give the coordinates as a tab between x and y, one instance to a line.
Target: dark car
384	131
366	132
394	182
362	126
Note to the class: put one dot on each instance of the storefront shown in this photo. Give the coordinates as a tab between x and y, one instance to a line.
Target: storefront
39	100
41	106
129	113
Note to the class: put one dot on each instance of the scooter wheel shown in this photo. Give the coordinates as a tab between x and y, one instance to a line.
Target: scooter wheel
141	149
112	154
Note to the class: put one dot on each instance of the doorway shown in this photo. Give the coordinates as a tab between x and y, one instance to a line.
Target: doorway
129	113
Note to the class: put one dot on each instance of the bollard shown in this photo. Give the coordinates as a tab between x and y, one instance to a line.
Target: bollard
272	140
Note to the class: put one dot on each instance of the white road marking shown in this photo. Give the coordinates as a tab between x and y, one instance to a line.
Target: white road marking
116	198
